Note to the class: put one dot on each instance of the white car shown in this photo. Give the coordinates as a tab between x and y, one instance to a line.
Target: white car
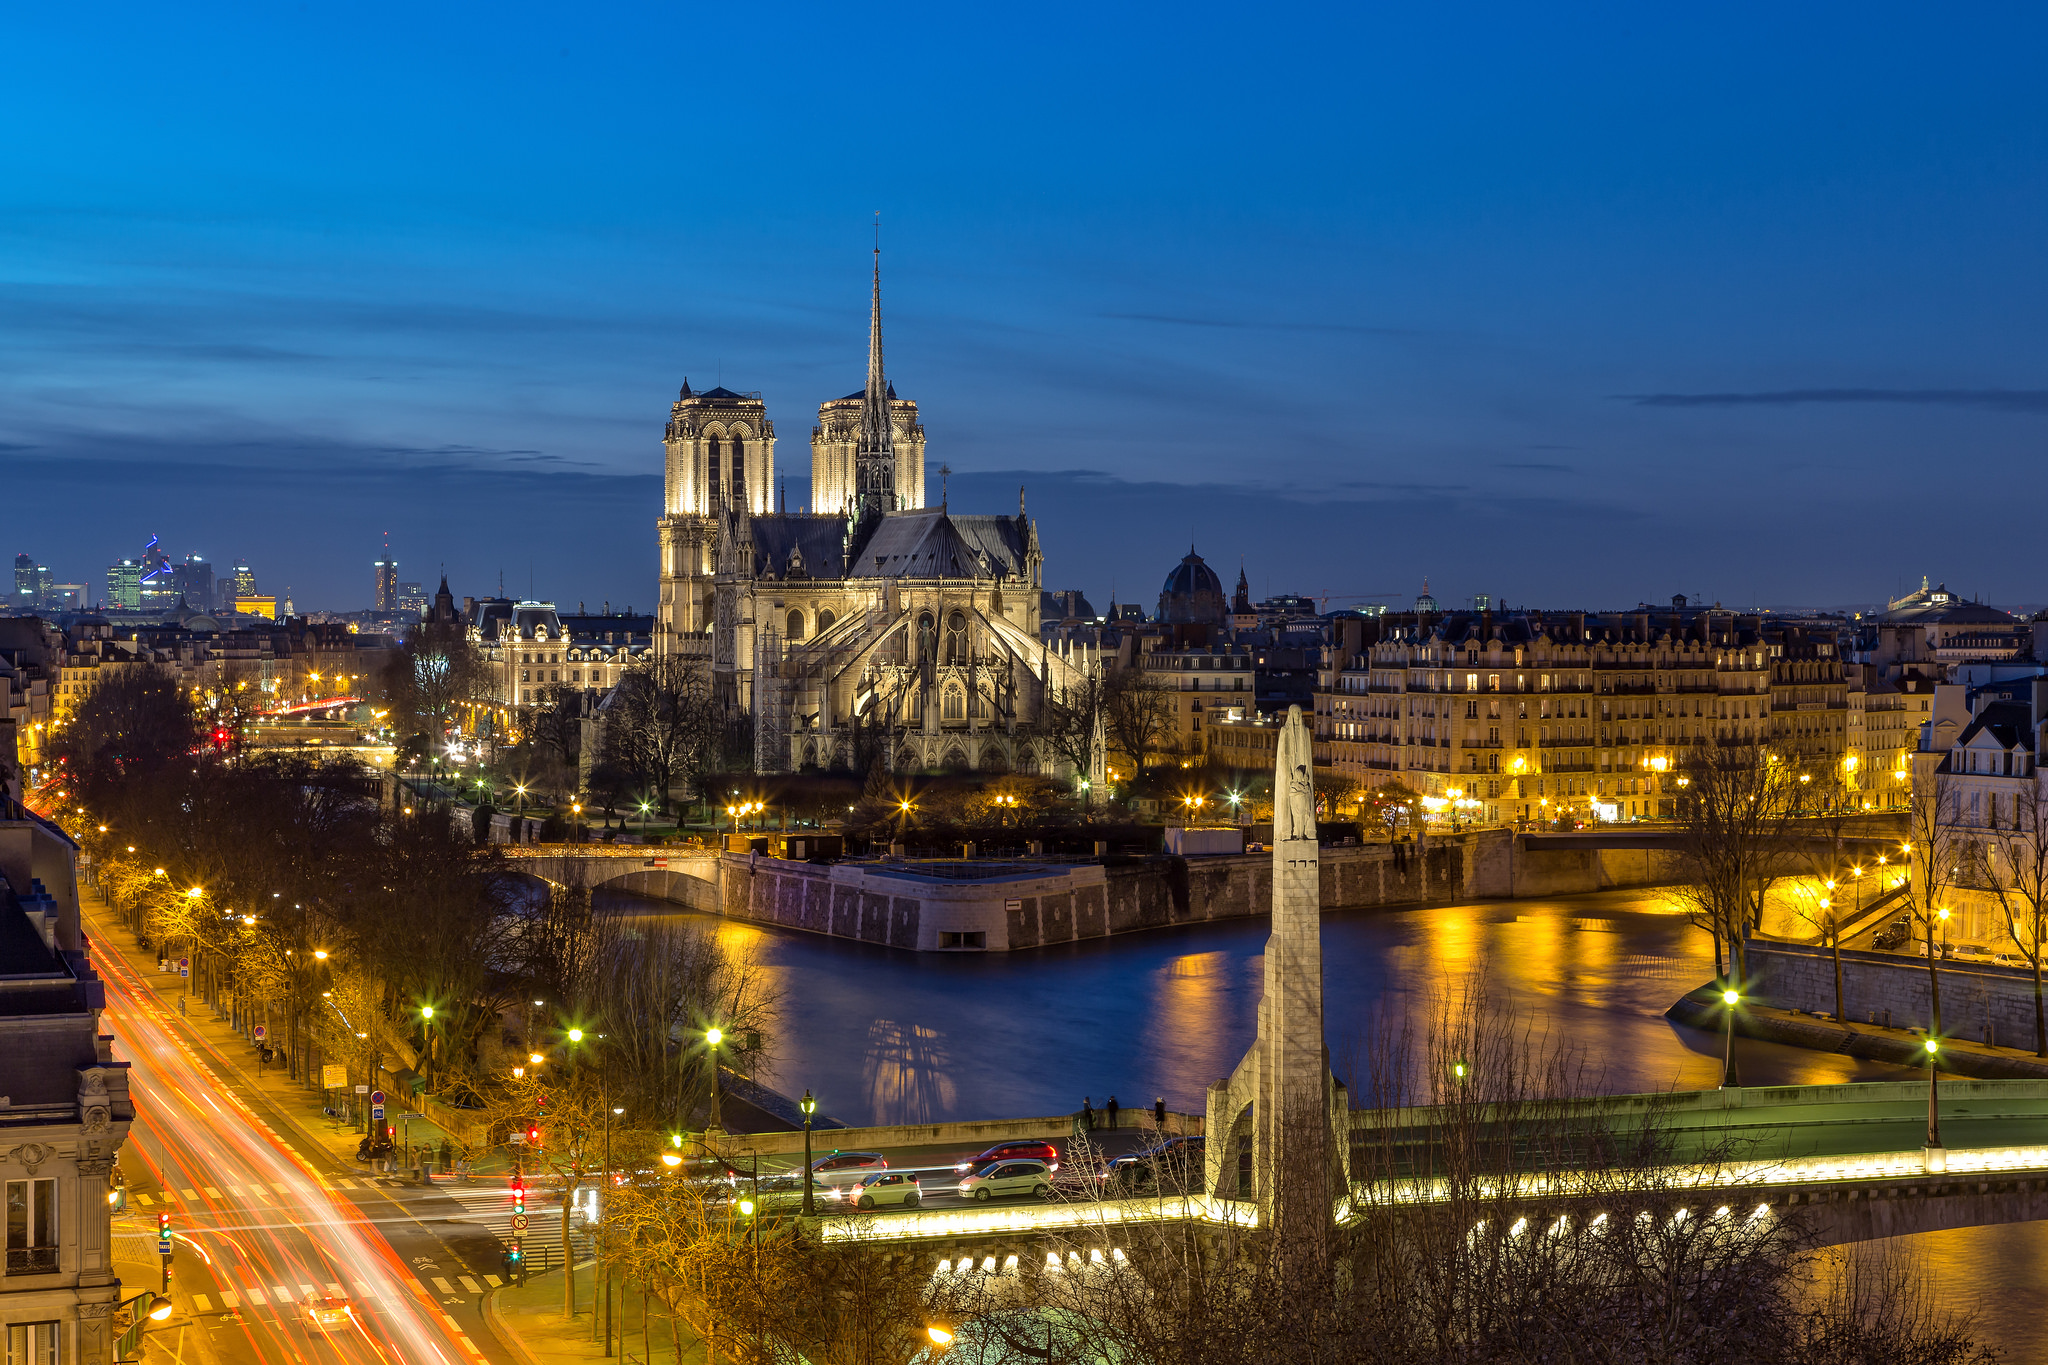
886	1187
1001	1178
842	1169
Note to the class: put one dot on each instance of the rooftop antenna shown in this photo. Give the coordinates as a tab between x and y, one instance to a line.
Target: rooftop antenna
945	476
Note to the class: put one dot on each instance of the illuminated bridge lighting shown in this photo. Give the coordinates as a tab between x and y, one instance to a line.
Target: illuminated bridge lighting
301	707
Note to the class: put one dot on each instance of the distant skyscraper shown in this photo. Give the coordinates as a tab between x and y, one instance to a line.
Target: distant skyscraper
124	585
236	583
24	581
412	599
387	584
193	578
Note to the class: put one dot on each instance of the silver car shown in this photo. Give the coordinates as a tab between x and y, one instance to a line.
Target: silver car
841	1169
886	1187
1004	1178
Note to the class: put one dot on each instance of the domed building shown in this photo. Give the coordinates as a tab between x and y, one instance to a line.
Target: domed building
1193	595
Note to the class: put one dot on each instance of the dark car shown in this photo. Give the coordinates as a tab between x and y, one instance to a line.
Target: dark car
1895	934
1020	1149
1175	1164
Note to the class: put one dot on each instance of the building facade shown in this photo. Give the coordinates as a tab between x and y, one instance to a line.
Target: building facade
67	1112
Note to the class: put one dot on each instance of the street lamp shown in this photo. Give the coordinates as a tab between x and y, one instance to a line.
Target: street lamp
713	1037
1729	999
1936	1155
427	1018
809	1105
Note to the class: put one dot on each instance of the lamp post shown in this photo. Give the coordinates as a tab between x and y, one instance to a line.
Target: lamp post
603	1208
712	1038
809	1106
427	1021
1729	999
1936	1155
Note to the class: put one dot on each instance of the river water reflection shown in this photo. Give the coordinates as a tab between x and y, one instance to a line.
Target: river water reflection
883	1036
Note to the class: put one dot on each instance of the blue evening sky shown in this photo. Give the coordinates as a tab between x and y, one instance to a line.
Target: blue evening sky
1574	305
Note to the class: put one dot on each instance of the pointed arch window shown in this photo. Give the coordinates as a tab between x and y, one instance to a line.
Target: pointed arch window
739	467
711	465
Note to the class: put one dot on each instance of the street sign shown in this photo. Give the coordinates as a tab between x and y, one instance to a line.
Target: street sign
518	1222
376	1113
362	1090
376	1097
261	1033
517	1139
183	963
333	1077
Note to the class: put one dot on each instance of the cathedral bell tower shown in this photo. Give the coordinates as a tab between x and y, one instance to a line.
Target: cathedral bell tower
721	457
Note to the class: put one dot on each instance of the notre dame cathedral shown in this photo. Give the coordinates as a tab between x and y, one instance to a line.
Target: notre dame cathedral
868	624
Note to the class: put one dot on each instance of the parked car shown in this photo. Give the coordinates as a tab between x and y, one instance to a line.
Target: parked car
1003	1178
1894	935
2010	959
841	1169
1176	1163
886	1187
1028	1149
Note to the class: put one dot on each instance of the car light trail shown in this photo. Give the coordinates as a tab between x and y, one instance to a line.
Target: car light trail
290	1237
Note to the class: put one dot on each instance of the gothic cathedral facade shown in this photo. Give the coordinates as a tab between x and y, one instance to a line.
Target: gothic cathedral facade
867	627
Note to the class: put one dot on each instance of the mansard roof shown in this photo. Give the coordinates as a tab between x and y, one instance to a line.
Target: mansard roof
2006	723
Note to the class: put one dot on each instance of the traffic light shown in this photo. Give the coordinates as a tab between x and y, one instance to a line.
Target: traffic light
163	1233
518	1195
533	1135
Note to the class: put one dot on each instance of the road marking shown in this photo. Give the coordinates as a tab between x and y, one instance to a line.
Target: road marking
468	1345
336	1289
202	1303
493	1281
443	1285
230	1300
143	1199
469	1284
282	1294
256	1294
235	1190
305	1290
191	1194
346	1184
280	1187
212	1193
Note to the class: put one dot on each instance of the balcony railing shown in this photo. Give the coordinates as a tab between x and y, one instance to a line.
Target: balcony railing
31	1260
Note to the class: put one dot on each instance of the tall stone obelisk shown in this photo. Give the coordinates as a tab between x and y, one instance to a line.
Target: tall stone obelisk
1295	1104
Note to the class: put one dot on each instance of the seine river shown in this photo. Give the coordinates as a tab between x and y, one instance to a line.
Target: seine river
883	1036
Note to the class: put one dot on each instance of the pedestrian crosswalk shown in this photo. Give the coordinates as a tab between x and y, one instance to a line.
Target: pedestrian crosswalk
258	1192
363	1293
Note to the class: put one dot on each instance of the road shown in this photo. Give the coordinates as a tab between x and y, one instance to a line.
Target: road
263	1218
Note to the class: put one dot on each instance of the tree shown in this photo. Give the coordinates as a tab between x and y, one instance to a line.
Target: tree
1735	800
1937	850
2012	860
435	676
136	721
1137	713
664	724
1069	717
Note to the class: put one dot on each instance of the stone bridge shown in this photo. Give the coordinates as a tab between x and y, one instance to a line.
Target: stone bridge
685	876
1863	838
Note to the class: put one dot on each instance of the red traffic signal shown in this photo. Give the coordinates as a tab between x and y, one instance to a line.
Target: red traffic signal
163	1225
533	1137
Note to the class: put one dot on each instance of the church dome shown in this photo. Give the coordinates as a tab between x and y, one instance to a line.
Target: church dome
1193	594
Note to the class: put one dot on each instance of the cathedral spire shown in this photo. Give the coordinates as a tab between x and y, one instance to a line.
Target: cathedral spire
874	460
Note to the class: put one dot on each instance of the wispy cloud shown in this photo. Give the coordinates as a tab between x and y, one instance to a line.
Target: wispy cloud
1994	400
1256	324
1536	465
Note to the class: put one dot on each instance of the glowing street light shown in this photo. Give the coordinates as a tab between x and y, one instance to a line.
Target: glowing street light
1729	999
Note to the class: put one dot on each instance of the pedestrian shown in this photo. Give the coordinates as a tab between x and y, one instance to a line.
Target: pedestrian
1088	1113
1159	1113
1112	1108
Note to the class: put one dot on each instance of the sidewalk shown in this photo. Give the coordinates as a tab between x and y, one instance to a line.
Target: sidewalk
529	1319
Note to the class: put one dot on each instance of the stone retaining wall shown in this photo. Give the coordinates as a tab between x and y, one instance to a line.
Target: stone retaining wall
1979	1001
1032	905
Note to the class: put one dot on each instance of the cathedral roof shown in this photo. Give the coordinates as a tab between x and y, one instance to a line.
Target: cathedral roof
1192	575
818	541
933	542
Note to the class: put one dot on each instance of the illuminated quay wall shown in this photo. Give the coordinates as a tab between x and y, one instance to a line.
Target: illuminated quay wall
1001	906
